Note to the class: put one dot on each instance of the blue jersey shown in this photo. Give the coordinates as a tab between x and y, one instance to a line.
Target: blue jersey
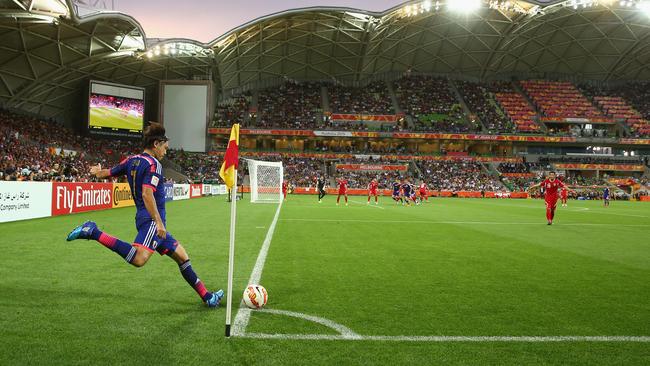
407	189
143	170
396	187
606	193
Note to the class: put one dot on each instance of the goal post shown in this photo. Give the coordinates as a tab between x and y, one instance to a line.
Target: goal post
265	180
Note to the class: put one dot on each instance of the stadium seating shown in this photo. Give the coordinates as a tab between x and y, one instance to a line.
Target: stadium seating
370	99
303	172
292	105
458	175
199	167
233	112
480	100
431	104
516	107
560	100
638	95
612	101
41	150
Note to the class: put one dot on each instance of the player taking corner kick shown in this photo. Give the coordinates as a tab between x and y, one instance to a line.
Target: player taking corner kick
145	176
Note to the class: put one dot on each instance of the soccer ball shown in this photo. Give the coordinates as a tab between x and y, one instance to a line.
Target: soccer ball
255	296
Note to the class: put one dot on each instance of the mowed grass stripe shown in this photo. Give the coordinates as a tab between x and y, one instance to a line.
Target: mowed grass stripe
474	279
368	278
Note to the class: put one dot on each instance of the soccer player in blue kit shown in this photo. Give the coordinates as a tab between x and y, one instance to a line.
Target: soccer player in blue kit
396	191
606	196
406	190
145	177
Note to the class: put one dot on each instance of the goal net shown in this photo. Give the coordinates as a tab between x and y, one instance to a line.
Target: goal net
265	180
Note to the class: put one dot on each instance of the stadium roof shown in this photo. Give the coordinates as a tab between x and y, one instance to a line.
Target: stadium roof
49	51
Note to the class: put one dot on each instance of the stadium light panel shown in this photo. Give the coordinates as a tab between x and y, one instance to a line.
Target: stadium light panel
463	6
359	16
644	6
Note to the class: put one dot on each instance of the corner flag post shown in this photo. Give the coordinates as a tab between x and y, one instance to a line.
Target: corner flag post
231	252
228	173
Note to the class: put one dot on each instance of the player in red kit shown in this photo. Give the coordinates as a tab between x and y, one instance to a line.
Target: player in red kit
285	186
551	186
372	190
564	193
424	192
343	190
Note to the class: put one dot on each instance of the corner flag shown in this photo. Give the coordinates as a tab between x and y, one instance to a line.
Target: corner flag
228	173
231	159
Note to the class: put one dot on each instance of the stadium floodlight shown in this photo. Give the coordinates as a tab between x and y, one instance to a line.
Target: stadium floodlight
463	6
644	6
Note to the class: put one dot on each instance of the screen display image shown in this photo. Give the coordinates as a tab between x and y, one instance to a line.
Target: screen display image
108	111
115	109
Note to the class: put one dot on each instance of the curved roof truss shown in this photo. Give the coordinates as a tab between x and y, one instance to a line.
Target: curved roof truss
48	51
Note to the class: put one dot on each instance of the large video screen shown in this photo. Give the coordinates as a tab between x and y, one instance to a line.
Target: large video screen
115	109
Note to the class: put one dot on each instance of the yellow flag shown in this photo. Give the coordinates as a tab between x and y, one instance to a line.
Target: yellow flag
231	159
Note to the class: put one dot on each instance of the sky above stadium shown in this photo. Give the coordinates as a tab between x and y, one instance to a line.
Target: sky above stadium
206	20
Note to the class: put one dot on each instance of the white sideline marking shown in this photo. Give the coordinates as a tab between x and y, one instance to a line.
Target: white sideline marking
464	222
575	209
531	339
366	204
244	313
344	331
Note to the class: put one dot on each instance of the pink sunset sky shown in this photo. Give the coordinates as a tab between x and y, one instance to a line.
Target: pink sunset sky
206	20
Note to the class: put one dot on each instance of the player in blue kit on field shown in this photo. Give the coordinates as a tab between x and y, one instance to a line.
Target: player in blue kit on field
145	177
406	192
606	196
396	189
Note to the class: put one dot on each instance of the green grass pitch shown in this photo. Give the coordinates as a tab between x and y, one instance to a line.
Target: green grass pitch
114	118
451	267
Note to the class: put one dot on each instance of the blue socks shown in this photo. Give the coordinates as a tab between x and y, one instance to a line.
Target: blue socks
193	280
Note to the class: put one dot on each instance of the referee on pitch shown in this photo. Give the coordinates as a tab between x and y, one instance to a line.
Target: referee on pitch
321	188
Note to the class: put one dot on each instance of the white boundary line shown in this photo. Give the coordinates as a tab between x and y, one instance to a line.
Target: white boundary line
244	314
365	204
346	334
341	329
572	208
462	222
529	339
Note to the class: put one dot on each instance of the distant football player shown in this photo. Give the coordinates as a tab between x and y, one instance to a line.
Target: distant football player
564	193
321	188
550	186
343	190
424	192
406	192
372	190
397	187
414	194
145	177
285	187
606	196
